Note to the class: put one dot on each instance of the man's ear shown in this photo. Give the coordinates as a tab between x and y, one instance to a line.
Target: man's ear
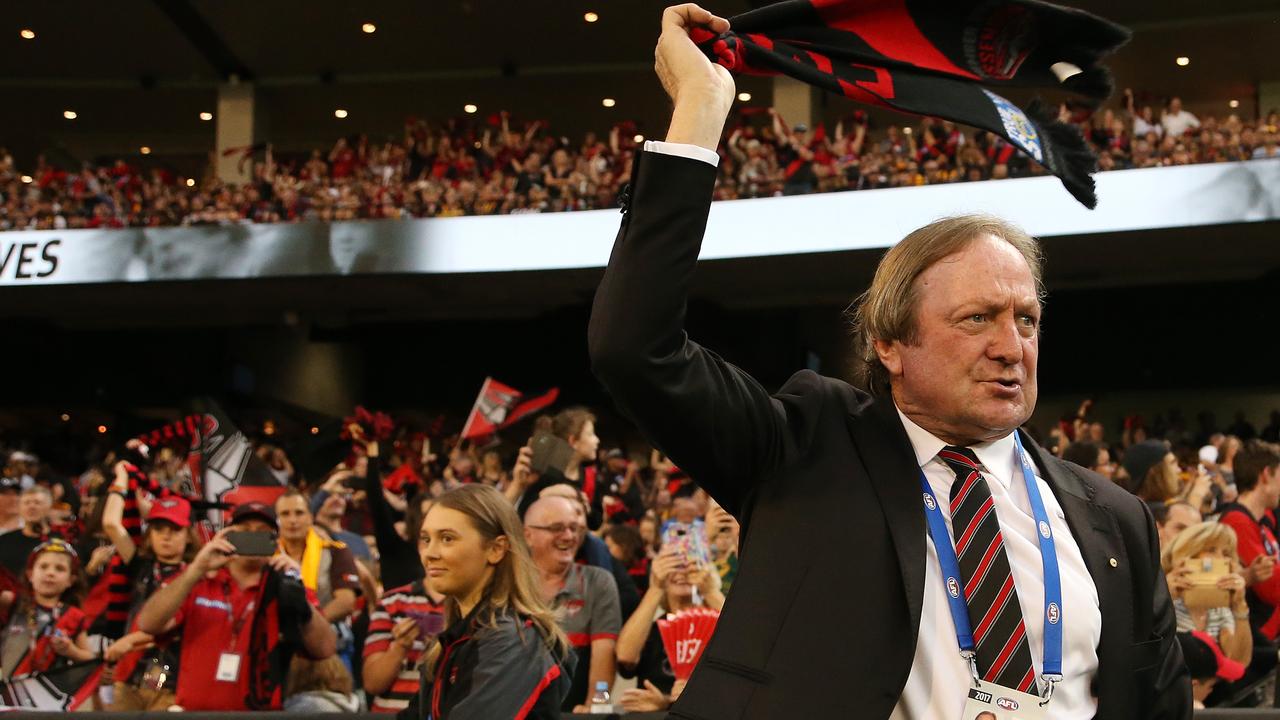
498	549
890	356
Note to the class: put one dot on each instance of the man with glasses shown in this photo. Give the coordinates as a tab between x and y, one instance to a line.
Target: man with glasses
586	596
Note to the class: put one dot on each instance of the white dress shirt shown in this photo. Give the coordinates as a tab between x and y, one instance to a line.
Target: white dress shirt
939	681
693	152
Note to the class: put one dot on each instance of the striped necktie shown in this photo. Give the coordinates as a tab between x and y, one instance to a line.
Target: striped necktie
995	616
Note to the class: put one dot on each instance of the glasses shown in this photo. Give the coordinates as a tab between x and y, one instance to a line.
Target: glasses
561	528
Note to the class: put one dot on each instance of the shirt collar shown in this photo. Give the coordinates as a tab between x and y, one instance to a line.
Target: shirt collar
997	456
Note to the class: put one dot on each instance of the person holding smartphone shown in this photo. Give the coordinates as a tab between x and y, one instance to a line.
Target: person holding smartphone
244	613
403	625
1228	624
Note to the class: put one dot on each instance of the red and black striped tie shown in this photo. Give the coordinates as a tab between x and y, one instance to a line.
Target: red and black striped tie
995	617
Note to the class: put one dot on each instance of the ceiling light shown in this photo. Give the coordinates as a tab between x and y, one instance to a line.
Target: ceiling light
744	97
65	417
144	150
102	429
468	108
69	114
191	182
608	102
26	179
638	138
369	28
1234	104
340	113
27	34
206	116
315	430
591	17
1183	60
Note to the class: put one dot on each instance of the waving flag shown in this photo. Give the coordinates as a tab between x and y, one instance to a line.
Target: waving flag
498	406
933	57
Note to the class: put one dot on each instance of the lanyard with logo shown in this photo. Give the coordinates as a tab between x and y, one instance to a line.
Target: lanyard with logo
228	669
1052	667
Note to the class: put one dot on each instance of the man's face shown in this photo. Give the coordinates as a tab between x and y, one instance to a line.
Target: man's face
8	502
970	374
554	530
34	507
1180	518
294	517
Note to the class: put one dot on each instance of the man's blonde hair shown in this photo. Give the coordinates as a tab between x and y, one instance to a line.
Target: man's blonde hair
887	310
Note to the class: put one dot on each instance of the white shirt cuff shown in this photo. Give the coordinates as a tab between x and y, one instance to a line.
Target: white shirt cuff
693	152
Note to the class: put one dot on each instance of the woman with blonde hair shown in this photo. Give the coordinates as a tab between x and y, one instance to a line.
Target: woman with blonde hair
501	655
1229	624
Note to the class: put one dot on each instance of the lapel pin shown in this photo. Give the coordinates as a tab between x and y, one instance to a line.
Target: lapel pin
1114	562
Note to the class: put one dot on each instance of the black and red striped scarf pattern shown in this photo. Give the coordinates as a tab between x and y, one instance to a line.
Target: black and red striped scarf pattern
934	57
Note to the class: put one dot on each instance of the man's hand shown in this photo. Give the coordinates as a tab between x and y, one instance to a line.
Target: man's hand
646	699
282	563
1260	570
702	91
522	471
136	640
216	553
99	559
668	562
404	633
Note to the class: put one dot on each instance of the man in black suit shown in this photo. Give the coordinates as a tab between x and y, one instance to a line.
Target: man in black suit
842	606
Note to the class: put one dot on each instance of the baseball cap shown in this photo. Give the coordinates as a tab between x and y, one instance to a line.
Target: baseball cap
172	509
614	453
261	511
1205	659
1139	459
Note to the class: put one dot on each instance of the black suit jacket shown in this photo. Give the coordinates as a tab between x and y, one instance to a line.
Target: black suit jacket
825	610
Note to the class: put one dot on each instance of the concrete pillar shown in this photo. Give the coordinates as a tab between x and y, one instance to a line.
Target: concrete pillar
235	128
1268	97
797	102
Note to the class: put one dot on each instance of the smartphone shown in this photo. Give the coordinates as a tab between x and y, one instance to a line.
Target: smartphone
550	451
429	624
253	543
1204	573
689	539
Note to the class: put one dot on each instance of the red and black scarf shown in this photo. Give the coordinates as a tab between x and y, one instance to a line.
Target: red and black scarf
934	57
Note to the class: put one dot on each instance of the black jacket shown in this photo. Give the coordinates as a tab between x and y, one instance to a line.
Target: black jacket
485	673
823	479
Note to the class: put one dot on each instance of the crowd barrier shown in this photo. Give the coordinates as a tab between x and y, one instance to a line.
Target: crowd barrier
1222	714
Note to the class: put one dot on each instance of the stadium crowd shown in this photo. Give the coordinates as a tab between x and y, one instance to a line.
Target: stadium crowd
119	591
494	168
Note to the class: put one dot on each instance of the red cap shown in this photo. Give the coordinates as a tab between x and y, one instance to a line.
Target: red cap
1228	669
172	509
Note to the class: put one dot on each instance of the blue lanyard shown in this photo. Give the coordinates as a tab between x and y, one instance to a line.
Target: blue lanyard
954	584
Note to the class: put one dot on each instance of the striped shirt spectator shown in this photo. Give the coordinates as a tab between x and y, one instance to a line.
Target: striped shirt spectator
398	604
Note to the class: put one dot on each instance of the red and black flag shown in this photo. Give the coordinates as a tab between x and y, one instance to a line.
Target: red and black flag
499	406
934	57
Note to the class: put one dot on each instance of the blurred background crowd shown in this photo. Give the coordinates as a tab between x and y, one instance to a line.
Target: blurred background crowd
500	167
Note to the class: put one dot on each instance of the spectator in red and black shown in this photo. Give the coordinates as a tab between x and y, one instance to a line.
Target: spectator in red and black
135	574
397	644
617	497
242	619
398	561
1252	517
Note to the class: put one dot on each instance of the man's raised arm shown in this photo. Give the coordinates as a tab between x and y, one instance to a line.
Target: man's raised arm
711	418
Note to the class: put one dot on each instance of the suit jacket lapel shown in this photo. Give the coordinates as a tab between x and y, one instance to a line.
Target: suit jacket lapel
891	467
1097	533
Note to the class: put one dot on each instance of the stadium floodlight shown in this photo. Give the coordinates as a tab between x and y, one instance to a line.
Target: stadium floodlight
340	113
27	34
369	28
206	116
608	102
1183	61
469	108
69	114
591	17
744	96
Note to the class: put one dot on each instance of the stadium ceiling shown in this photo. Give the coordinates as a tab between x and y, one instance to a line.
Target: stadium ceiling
197	43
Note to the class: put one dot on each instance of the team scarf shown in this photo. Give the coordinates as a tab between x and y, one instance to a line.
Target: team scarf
935	58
